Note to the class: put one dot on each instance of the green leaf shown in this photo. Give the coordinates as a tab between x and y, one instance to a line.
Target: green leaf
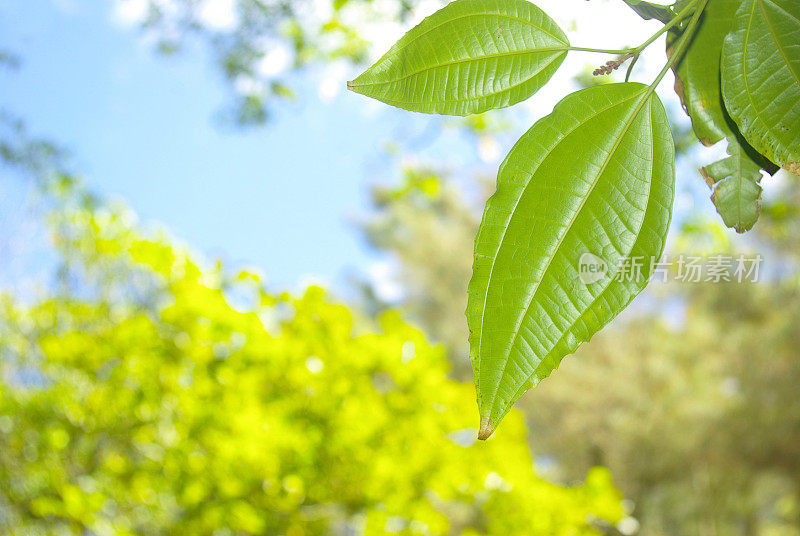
761	77
697	74
649	11
698	84
594	177
736	189
468	57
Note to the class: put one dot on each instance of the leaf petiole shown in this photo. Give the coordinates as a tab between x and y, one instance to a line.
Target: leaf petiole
683	42
682	14
602	50
635	52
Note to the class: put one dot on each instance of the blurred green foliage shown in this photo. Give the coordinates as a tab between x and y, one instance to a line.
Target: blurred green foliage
301	32
697	417
152	395
434	272
690	400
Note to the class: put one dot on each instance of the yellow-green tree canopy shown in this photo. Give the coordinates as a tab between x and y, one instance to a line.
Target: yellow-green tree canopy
151	395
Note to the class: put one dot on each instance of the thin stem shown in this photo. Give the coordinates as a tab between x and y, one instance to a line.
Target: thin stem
630	67
683	42
682	14
637	51
603	50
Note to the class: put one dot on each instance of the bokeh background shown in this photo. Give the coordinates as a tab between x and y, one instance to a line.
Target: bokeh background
233	298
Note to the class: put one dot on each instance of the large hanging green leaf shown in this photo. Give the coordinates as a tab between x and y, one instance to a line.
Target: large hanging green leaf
468	57
592	180
761	77
736	189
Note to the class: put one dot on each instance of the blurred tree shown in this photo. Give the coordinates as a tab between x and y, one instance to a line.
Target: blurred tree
781	214
698	421
150	395
696	412
693	410
8	60
18	149
426	223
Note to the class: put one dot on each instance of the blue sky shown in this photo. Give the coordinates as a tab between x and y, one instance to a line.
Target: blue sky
141	127
283	198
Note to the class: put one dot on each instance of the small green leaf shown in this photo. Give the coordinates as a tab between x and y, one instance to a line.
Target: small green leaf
468	57
736	189
594	179
761	77
649	11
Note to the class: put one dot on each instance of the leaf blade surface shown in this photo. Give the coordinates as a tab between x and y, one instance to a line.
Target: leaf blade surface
468	57
736	189
761	77
596	176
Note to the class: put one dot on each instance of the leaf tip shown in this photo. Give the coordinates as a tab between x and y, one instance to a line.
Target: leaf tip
350	85
486	429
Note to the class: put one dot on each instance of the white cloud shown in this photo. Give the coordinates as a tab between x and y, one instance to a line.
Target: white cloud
382	35
219	14
334	79
275	61
383	277
247	85
129	12
489	149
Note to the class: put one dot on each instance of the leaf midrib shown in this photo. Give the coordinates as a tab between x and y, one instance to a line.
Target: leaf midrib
777	41
395	102
626	126
606	162
517	394
463	60
505	230
746	82
739	168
